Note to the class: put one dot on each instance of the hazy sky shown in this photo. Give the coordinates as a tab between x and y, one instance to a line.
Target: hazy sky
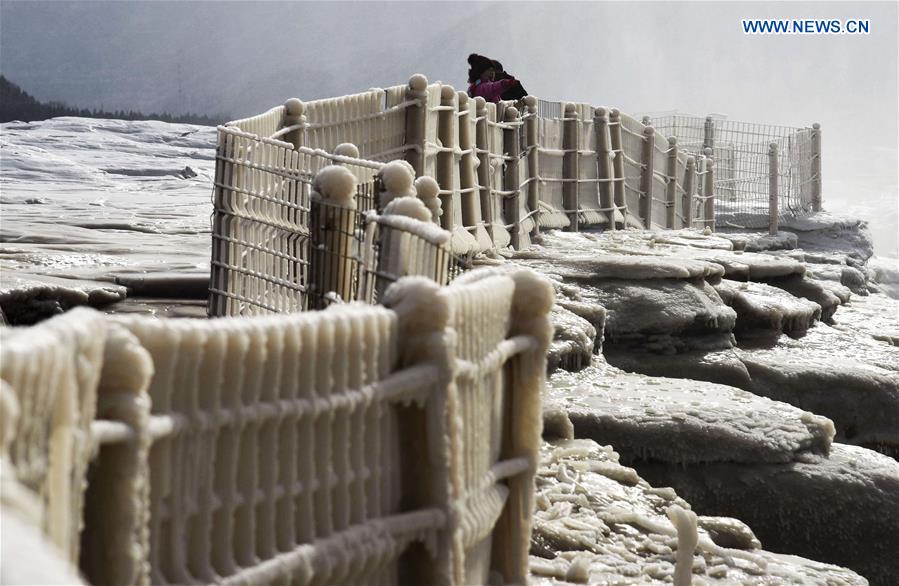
242	57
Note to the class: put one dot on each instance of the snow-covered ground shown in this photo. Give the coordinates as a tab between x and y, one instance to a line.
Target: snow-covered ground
796	349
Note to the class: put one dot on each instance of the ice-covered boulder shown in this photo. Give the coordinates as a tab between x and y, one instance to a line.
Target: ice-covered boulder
847	376
27	298
766	309
842	508
675	420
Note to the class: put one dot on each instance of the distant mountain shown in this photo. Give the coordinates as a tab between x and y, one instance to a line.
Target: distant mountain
17	104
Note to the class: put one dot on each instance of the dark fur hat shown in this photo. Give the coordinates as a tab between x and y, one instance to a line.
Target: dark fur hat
478	65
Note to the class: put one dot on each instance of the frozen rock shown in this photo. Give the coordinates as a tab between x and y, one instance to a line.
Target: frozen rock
768	309
850	378
828	232
598	522
884	273
875	315
28	298
684	421
759	241
573	342
842	508
827	295
663	315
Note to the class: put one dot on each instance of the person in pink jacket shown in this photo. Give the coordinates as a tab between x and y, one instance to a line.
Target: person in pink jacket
482	82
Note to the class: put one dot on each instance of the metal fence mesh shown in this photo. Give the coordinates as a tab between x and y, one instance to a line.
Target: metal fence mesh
742	171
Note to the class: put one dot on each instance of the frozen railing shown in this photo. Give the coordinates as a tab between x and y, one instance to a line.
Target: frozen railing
502	174
50	374
358	444
756	184
286	240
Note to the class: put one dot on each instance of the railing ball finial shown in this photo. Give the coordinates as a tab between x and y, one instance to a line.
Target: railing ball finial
294	107
396	181
772	147
707	151
335	184
570	110
481	106
816	126
463	99
428	191
510	114
418	83
411	207
708	118
447	93
672	141
347	149
649	131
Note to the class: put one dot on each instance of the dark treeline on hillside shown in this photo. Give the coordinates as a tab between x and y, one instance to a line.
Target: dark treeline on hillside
16	104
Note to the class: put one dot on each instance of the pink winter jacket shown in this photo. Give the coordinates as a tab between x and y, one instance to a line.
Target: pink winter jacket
491	90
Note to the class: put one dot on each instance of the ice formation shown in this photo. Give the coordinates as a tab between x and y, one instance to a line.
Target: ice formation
53	370
598	522
842	507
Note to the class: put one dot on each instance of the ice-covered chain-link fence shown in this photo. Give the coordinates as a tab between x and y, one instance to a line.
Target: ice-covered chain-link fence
359	444
747	166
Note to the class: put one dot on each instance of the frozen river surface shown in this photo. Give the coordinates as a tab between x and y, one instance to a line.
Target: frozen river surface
93	199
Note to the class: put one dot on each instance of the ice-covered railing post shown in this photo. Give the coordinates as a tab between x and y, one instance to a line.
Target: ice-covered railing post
620	197
115	544
816	167
671	187
570	158
446	156
523	424
604	156
708	192
532	143
689	196
646	176
416	117
482	148
773	177
469	191
708	134
512	152
333	222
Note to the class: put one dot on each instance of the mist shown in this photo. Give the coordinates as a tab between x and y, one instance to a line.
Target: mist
239	58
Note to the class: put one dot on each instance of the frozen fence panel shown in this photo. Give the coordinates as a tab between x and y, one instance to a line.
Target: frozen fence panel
260	227
481	426
551	155
634	169
285	447
470	188
262	125
53	370
405	242
740	151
